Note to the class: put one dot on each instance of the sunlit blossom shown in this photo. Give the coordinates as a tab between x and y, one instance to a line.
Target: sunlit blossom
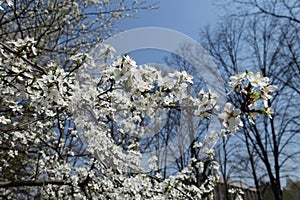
231	117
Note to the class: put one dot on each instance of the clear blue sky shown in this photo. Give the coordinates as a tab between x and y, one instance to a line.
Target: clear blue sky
185	16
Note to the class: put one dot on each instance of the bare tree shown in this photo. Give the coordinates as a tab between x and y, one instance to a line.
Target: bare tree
260	43
281	9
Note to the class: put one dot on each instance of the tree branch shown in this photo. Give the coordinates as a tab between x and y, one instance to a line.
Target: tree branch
19	183
23	58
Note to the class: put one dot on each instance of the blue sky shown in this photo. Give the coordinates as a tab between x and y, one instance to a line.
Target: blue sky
187	17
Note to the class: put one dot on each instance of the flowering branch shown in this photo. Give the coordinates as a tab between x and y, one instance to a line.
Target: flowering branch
23	58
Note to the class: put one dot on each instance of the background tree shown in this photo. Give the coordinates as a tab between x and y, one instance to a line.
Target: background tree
263	43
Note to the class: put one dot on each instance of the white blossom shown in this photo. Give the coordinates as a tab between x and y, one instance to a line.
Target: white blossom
237	193
231	117
4	120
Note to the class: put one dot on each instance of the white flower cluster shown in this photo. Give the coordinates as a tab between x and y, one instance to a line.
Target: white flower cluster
81	136
236	193
128	94
253	87
118	105
24	46
231	117
206	104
